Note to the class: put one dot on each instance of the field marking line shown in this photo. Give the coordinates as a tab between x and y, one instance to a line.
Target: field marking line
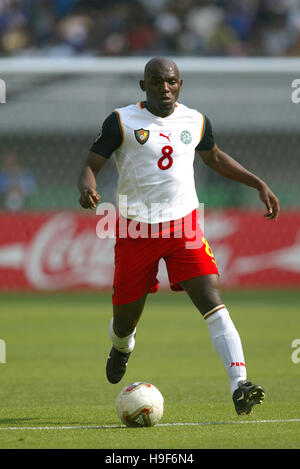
184	424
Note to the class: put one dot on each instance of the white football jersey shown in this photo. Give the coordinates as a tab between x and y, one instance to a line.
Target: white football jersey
155	163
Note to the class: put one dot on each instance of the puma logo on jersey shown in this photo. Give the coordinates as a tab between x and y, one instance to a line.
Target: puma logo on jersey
166	136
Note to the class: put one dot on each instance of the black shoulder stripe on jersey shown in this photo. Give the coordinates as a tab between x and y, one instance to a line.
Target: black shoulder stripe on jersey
207	141
110	138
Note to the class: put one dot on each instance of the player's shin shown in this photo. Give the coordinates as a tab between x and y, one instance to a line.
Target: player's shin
122	344
227	344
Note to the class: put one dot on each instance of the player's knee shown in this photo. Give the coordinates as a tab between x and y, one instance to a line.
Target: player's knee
211	297
204	292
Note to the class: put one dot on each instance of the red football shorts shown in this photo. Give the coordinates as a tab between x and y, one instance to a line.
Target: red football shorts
140	246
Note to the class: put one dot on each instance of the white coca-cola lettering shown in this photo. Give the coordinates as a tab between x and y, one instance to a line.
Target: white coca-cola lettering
62	254
59	257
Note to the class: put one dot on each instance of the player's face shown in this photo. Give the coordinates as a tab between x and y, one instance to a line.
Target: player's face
162	85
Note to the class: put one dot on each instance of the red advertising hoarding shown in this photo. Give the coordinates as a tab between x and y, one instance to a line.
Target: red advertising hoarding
61	250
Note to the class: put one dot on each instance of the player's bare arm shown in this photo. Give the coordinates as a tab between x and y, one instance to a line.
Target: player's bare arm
228	167
87	184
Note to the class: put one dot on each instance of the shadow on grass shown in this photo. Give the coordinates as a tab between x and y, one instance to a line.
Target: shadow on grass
16	420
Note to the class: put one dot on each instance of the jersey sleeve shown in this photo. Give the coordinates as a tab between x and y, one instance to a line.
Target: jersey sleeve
109	138
207	140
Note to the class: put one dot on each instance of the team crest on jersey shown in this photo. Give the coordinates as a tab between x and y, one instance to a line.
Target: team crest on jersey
142	135
186	137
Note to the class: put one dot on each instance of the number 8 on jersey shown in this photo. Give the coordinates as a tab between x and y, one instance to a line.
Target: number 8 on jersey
166	160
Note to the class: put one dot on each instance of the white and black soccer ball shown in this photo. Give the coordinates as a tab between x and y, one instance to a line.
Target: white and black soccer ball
140	405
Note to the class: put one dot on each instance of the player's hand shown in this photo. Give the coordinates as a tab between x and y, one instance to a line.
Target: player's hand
89	198
271	202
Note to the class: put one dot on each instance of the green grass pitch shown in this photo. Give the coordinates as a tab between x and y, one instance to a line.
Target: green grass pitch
54	375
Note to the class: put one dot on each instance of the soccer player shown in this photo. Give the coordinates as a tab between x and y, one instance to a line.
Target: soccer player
154	144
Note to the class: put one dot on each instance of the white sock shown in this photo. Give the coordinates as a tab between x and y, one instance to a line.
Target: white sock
123	344
227	344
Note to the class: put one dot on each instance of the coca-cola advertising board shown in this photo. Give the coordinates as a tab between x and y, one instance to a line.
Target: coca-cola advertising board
62	250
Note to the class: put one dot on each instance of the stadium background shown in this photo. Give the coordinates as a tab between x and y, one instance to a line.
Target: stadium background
67	64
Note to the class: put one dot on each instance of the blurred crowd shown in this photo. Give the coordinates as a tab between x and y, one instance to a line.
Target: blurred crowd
65	28
16	183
